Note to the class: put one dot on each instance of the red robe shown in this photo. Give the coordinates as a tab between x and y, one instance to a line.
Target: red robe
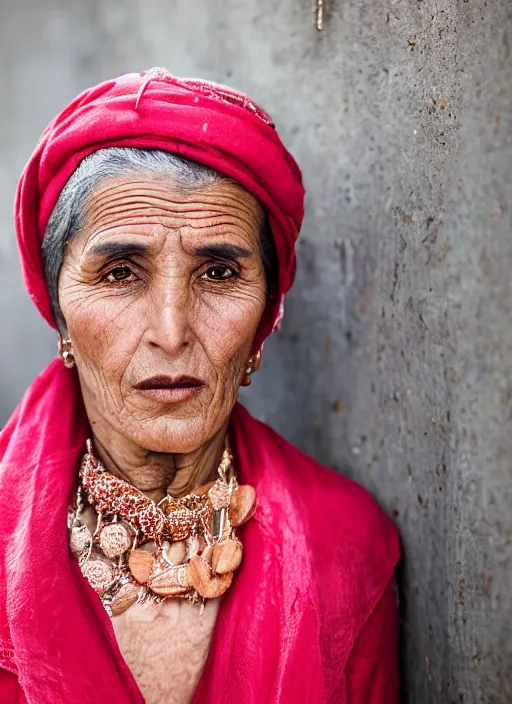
311	616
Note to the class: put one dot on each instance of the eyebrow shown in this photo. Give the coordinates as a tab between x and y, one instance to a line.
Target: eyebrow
117	249
223	251
130	249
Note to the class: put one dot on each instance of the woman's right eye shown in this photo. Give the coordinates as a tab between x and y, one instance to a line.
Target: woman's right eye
120	274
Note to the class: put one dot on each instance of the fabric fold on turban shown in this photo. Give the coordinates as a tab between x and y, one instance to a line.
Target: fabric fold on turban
198	120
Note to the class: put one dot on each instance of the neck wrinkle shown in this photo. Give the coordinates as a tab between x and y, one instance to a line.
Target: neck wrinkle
158	474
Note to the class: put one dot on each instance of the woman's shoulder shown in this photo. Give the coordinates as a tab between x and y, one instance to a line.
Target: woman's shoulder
347	507
328	500
352	545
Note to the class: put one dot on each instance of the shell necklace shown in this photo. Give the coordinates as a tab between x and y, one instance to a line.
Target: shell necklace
196	548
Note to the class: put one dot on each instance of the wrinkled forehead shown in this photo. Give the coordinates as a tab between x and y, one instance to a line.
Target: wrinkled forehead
148	210
161	197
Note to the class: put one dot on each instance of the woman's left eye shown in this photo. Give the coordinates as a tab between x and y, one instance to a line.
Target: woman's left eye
219	273
119	275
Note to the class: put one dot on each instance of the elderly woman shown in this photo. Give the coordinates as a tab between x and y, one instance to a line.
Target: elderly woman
157	543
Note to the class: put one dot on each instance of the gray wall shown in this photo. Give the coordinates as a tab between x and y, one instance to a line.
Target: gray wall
394	364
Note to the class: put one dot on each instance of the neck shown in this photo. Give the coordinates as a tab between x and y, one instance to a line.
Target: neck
158	474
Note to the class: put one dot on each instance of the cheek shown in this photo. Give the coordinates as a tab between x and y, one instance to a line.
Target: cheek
105	331
226	327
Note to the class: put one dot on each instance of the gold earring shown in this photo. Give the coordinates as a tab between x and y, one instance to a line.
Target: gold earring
246	381
66	352
253	365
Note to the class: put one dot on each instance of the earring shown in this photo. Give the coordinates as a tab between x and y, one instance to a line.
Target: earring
252	366
66	352
246	381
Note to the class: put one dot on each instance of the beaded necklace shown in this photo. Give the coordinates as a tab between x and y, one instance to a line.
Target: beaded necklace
195	548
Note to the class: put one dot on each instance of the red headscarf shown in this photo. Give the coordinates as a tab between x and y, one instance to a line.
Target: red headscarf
198	120
318	552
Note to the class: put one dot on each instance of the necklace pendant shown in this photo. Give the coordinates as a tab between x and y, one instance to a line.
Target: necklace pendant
124	598
204	581
99	574
80	539
115	540
243	504
141	564
226	556
170	582
219	495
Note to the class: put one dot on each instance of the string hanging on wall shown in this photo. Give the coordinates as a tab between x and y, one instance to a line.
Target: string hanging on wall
319	13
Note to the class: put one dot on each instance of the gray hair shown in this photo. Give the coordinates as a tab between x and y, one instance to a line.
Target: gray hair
68	216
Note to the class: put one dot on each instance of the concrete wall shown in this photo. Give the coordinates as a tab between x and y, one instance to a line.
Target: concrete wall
394	364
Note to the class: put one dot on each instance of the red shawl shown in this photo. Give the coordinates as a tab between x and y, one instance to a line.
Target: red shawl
310	617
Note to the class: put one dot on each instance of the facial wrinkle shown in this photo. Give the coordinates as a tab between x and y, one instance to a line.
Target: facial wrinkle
207	329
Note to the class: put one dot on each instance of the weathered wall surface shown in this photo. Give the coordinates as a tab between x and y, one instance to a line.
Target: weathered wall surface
394	364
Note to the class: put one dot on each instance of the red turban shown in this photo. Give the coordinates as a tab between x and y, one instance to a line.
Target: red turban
202	121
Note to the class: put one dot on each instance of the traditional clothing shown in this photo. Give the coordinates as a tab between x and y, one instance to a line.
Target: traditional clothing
311	616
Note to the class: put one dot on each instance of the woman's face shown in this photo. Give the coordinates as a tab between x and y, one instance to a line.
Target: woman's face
162	293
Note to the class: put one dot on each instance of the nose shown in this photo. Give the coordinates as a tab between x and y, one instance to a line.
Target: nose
168	313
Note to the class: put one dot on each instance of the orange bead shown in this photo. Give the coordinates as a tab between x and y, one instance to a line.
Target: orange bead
201	578
141	565
243	504
227	556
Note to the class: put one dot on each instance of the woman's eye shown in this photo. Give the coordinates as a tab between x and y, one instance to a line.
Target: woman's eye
120	273
219	273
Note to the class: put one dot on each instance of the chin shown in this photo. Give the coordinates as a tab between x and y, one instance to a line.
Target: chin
170	436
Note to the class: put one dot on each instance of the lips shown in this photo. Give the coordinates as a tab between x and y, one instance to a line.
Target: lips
168	389
169	382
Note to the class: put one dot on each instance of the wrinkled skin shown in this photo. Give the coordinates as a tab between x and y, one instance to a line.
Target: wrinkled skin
143	293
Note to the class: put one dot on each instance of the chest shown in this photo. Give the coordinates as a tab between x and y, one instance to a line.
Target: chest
165	646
